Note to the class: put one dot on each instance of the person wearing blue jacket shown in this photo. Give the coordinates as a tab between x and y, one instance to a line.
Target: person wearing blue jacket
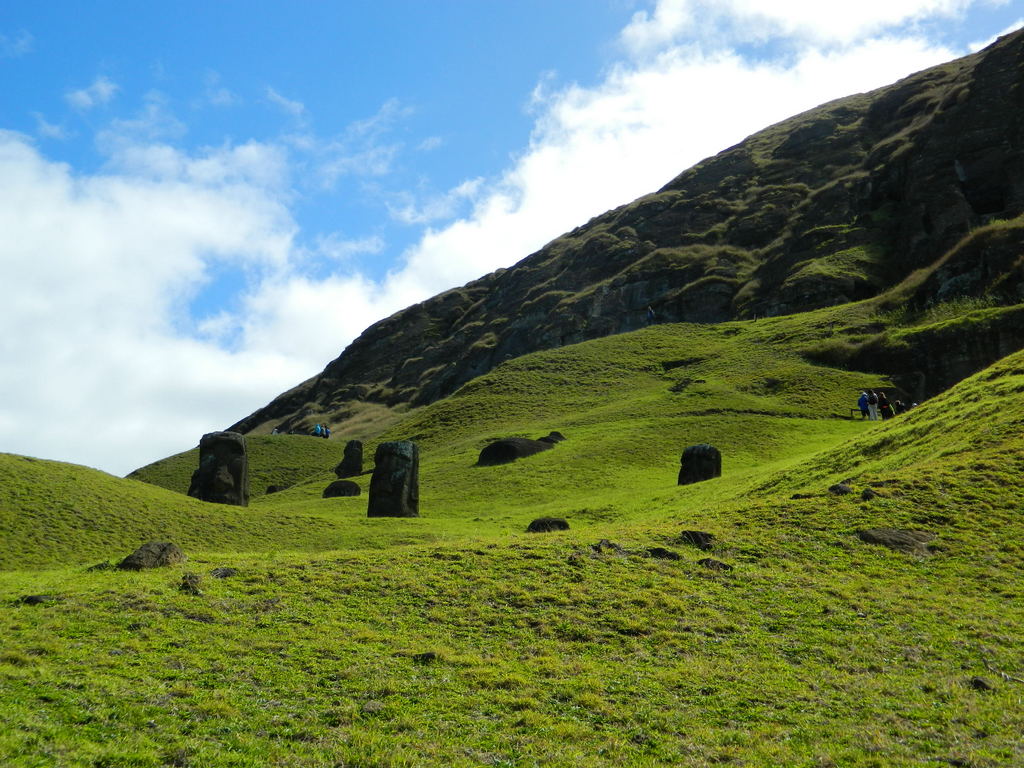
862	403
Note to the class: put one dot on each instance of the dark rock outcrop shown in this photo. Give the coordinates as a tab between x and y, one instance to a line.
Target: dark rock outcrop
352	463
341	488
547	525
830	206
155	554
395	484
508	449
223	473
698	463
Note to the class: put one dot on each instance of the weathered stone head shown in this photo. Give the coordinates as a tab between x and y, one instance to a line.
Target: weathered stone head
223	473
700	462
352	462
395	485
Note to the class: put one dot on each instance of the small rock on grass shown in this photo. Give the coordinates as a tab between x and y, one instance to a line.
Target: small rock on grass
699	539
714	565
38	599
190	584
980	684
610	546
660	553
547	524
155	554
223	572
896	538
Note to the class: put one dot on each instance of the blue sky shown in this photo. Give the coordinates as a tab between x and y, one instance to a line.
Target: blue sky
204	203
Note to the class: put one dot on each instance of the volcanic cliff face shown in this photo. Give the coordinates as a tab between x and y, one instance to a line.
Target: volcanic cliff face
830	206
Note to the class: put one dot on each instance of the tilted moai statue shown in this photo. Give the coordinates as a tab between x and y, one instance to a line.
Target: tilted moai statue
223	474
700	462
352	463
395	484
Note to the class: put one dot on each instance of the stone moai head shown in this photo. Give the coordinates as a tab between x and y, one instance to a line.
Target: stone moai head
395	485
223	473
700	462
352	462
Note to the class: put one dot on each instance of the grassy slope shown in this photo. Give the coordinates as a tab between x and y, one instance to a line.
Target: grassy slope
52	513
815	650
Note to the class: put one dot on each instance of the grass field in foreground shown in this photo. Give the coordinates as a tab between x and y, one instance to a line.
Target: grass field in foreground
458	639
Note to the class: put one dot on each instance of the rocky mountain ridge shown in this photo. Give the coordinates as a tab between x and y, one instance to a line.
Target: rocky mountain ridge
837	204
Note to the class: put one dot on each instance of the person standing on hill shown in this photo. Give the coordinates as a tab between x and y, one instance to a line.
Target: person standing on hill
862	403
884	406
872	405
650	315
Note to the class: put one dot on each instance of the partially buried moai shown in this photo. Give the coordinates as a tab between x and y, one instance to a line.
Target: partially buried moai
223	473
395	484
700	462
352	462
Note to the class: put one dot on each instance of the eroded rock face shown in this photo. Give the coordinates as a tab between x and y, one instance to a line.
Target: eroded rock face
395	484
223	473
698	463
352	463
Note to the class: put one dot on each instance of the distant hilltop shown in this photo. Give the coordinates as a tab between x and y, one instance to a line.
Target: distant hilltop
871	193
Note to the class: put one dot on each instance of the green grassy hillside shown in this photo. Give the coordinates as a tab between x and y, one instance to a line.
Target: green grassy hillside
459	639
283	460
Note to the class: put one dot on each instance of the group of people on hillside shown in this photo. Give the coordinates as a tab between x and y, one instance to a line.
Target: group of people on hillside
875	405
321	430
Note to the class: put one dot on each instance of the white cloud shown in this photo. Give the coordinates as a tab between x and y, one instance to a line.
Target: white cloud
814	21
294	108
362	149
337	248
408	210
17	46
48	130
102	90
218	95
96	270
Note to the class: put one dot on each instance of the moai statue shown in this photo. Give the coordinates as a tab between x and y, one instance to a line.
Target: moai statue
352	464
700	462
395	483
223	474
